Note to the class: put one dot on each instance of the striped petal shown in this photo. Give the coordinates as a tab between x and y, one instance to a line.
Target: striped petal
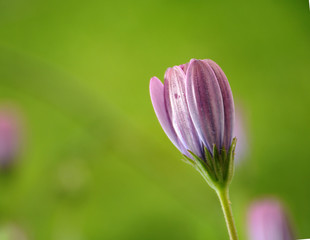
157	98
175	99
205	103
184	67
228	102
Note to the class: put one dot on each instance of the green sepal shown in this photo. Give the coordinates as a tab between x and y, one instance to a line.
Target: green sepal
189	161
204	169
218	169
229	173
209	159
224	155
217	161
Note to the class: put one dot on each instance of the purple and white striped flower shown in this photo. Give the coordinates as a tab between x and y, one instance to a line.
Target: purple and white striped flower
267	220
195	108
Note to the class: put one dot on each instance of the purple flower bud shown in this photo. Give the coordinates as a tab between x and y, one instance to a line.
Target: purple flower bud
196	110
9	137
267	220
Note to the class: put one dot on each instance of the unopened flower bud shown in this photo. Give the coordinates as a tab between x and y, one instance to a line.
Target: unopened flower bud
195	108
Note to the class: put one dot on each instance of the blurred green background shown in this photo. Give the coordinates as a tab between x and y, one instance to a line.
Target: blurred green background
94	162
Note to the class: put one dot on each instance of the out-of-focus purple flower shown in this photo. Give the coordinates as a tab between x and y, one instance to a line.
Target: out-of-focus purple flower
196	110
267	220
241	133
9	137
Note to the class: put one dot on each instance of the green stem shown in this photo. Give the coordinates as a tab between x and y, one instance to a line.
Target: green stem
223	195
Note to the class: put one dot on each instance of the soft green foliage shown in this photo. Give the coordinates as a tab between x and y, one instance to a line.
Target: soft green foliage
95	163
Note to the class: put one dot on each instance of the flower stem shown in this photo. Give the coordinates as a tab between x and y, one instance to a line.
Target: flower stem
223	195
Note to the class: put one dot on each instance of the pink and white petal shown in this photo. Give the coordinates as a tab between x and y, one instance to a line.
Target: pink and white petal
228	102
184	67
176	103
205	103
157	98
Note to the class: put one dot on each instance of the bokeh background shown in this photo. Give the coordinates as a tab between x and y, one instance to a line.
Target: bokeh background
90	160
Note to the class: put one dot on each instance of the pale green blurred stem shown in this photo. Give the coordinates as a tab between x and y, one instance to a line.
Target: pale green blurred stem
223	195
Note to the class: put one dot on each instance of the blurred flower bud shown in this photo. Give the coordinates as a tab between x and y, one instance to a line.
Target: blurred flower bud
9	137
241	133
267	220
